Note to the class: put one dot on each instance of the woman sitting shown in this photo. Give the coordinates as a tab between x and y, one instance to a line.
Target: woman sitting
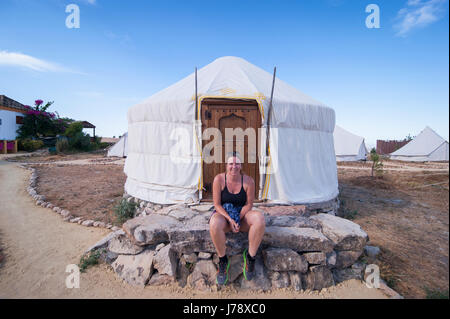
233	195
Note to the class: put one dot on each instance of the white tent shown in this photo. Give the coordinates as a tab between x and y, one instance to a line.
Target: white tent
427	146
120	148
301	137
348	146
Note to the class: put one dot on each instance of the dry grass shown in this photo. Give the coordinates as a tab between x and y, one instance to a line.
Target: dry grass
408	219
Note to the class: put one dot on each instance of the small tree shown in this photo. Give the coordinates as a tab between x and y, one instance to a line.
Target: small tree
37	122
377	165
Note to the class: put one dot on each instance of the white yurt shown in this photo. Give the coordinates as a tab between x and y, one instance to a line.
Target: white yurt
120	148
348	146
162	167
427	146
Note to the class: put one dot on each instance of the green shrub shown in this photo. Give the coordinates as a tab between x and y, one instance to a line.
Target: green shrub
103	145
80	141
436	293
124	210
73	129
62	145
30	145
89	260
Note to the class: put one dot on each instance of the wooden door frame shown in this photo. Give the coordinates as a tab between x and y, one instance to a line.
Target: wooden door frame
226	101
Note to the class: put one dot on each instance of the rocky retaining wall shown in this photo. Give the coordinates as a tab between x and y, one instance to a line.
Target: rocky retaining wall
173	244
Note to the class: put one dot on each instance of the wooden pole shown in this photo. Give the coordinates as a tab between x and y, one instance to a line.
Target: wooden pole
269	116
15	146
5	145
196	98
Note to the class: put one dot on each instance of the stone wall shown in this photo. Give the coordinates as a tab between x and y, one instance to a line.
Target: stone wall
173	244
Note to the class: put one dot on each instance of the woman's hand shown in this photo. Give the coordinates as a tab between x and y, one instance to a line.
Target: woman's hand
234	226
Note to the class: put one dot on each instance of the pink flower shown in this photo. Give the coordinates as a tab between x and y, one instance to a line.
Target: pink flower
27	106
38	102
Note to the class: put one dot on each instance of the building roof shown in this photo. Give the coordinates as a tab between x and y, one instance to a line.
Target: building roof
10	104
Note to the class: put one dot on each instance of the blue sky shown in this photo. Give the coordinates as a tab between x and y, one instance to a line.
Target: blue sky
383	83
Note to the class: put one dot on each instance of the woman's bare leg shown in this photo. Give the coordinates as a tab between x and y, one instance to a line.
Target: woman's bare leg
253	223
218	226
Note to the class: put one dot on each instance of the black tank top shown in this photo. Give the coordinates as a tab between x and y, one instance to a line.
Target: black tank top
239	199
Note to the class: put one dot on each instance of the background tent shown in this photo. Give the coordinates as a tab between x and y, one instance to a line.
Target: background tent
161	169
120	148
427	146
348	146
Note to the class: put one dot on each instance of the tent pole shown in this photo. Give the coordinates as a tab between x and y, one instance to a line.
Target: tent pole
196	98
269	113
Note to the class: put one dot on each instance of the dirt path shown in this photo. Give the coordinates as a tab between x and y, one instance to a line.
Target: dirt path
38	246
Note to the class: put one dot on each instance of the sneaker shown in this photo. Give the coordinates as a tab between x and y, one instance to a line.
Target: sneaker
249	266
222	272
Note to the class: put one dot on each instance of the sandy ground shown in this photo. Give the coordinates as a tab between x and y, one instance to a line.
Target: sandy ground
38	245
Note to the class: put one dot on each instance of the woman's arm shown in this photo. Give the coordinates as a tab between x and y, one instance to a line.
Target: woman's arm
250	197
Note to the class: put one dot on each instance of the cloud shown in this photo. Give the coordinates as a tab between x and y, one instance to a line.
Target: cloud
29	62
418	14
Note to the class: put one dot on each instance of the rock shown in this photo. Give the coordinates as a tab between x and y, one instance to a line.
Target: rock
296	280
297	210
371	251
108	257
88	223
44	204
190	258
95	224
39	202
260	281
67	218
316	258
80	221
203	255
75	220
280	280
55	209
292	221
122	245
331	259
345	234
49	205
298	239
203	276
134	269
347	258
183	273
181	214
115	228
101	224
158	279
354	272
158	247
104	241
65	213
150	229
165	261
203	207
236	267
284	259
318	277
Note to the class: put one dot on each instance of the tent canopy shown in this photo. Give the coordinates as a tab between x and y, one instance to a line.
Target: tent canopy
348	146
301	135
120	148
427	146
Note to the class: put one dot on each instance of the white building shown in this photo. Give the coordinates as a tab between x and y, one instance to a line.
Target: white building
11	117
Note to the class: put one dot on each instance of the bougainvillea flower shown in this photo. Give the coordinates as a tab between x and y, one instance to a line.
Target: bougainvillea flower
38	102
